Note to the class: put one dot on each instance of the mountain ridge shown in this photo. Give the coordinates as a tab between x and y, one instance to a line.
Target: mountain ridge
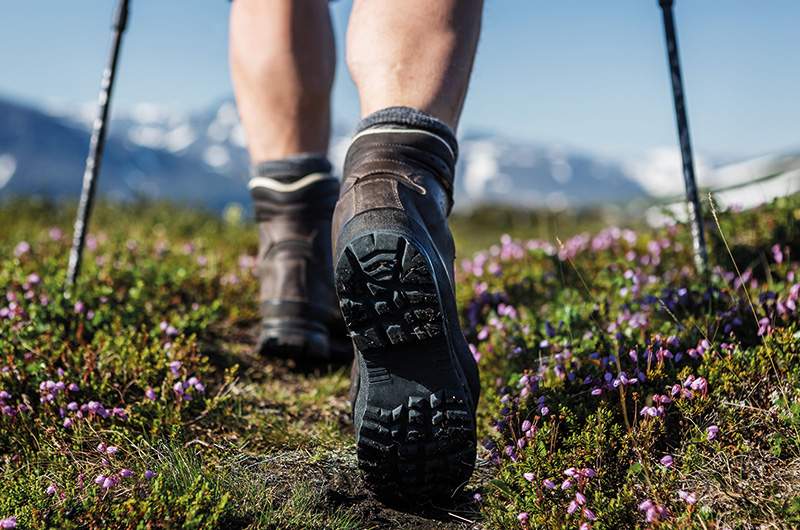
200	158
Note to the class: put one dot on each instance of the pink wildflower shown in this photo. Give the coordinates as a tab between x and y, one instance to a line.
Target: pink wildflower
687	497
711	432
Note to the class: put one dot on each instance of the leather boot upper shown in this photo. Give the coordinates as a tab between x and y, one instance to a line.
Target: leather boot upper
406	170
410	172
294	259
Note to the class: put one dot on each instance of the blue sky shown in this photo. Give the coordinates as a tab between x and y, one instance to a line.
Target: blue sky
584	73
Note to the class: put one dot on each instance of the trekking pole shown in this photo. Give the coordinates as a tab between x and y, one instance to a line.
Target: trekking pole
692	199
96	146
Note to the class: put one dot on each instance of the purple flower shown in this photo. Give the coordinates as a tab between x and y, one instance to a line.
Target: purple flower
148	475
666	461
73	387
79	307
67	423
22	248
656	513
101	447
544	410
653	512
111	450
8	522
150	394
700	385
652	411
109	483
777	255
125	473
580	498
549	484
51	490
589	514
523	517
529	476
567	484
99	479
687	497
711	432
175	367
475	353
573	505
477	497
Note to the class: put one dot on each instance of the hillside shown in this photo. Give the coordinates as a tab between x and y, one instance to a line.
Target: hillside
620	389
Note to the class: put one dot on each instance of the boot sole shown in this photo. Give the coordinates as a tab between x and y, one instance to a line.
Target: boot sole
415	426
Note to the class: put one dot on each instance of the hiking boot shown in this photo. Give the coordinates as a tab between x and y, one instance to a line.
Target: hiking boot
293	207
415	383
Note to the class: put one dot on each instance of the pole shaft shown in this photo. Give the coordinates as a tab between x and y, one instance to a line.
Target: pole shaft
96	147
693	201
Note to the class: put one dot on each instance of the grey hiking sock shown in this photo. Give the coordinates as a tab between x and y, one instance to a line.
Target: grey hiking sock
292	168
410	118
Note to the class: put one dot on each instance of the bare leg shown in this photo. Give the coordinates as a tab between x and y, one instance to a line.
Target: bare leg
413	53
282	63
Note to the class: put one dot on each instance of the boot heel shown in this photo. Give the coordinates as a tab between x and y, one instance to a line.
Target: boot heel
414	423
297	339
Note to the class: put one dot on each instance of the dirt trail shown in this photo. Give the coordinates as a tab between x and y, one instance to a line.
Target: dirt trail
303	402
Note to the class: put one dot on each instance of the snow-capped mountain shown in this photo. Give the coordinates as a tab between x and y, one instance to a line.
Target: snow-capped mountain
200	158
44	154
494	169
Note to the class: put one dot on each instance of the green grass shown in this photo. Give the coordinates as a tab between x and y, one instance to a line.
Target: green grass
264	444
